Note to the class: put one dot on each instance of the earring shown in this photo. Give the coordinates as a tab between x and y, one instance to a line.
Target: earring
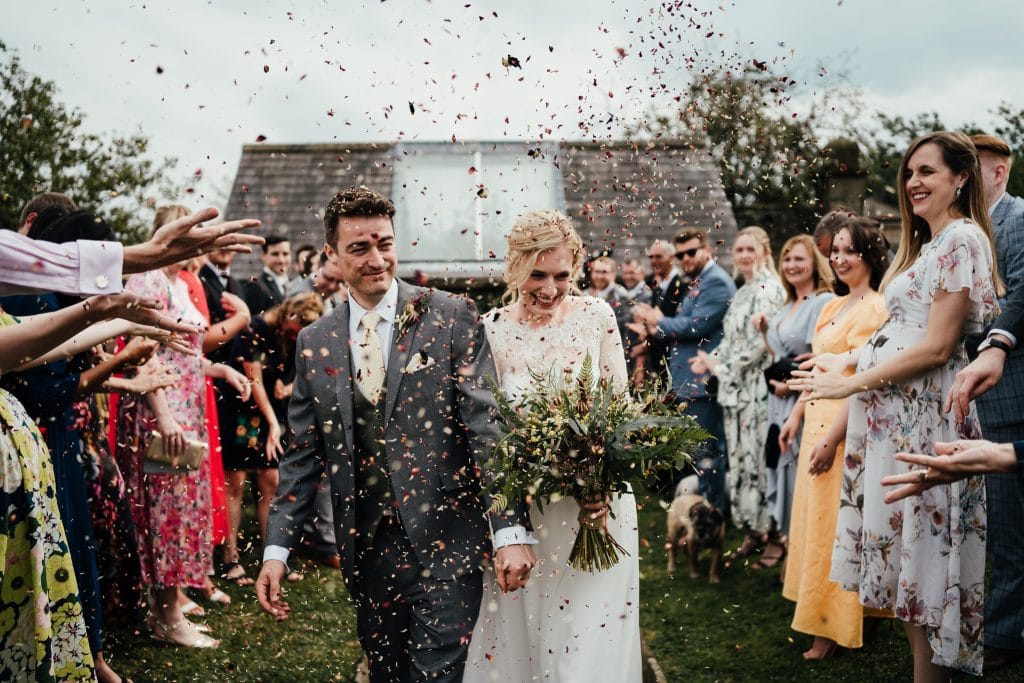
958	189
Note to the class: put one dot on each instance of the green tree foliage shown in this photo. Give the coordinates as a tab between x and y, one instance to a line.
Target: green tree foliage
767	155
43	147
883	146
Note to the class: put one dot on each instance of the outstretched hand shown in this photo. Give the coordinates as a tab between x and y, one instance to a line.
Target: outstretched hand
268	590
137	309
952	461
185	238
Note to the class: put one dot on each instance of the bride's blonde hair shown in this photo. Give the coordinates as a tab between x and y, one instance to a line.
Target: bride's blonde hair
534	232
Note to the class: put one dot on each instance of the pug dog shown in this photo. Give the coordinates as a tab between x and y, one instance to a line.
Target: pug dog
695	524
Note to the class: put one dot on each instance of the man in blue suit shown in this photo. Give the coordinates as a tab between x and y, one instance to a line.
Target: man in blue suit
1002	419
696	326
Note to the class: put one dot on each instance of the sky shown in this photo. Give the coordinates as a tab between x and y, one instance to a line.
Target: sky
200	79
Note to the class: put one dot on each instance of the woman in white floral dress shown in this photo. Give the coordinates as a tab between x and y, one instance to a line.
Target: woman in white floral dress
739	363
924	557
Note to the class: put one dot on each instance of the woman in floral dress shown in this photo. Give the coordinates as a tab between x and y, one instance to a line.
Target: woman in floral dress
739	363
924	557
172	509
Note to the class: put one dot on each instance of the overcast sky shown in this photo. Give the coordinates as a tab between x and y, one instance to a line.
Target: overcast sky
201	79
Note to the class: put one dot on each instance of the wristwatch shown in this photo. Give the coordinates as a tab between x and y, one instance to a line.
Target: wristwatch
992	342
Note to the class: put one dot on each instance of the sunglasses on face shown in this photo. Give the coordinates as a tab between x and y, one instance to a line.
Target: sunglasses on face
688	253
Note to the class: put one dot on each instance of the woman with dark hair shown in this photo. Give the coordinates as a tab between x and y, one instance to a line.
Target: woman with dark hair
253	428
57	396
922	558
823	608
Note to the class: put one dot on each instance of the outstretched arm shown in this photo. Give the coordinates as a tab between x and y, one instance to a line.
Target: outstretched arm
705	317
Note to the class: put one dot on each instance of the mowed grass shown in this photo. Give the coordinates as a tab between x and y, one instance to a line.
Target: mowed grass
737	630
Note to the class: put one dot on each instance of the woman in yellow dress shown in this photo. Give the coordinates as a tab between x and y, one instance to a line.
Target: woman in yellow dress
859	256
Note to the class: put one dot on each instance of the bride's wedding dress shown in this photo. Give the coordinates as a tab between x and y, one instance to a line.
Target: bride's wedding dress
565	625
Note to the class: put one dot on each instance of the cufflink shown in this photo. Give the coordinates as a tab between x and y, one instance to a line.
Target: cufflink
102	282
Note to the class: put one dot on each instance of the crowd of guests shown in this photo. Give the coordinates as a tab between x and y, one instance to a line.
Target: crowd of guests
101	530
822	378
836	386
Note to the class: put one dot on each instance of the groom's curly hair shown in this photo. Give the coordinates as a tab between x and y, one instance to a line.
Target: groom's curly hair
354	201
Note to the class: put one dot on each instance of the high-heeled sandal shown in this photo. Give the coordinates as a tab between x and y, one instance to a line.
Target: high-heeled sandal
183	633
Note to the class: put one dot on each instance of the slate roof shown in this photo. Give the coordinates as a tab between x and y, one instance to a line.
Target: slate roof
621	195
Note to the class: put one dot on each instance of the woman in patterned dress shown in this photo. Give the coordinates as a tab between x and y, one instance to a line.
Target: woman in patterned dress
924	557
42	631
172	509
739	363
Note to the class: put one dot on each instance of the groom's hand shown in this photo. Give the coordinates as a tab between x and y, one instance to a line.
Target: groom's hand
513	564
268	589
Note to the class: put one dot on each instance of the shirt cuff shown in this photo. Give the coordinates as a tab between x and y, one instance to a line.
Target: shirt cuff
512	535
100	266
276	552
1008	335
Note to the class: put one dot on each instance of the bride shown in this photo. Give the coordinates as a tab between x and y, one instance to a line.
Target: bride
563	625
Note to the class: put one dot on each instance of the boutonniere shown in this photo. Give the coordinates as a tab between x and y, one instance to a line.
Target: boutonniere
410	315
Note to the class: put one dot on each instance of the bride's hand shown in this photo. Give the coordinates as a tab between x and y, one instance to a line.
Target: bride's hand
594	512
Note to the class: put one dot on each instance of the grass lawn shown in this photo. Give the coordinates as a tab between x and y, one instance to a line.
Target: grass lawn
735	631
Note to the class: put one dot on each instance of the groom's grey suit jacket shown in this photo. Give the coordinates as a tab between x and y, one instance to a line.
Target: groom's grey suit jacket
439	425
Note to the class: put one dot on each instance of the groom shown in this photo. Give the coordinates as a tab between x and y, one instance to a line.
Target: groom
389	400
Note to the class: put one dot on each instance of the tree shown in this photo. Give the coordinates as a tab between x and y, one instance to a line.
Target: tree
766	154
43	147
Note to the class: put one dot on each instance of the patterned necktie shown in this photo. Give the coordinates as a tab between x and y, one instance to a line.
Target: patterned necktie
370	377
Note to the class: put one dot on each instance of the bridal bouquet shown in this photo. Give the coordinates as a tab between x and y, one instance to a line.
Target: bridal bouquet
586	440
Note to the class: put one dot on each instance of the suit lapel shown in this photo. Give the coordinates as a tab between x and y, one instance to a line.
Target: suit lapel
341	351
403	345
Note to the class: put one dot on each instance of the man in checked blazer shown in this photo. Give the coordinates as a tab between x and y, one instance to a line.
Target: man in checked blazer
390	400
1002	418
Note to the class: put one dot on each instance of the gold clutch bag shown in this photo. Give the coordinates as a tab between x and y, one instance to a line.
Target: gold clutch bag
193	456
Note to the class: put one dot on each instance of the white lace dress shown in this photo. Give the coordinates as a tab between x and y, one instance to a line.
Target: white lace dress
565	625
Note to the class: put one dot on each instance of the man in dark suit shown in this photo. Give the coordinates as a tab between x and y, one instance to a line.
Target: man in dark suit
1002	419
696	326
390	400
668	285
270	287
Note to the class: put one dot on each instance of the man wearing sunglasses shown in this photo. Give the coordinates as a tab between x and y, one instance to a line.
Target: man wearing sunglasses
696	326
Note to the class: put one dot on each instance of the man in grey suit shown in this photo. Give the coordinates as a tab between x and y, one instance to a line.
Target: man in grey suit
1002	419
390	400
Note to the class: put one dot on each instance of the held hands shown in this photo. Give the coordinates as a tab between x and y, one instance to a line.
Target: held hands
268	590
974	380
512	565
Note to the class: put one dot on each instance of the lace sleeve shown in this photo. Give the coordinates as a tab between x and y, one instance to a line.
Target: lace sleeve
613	358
